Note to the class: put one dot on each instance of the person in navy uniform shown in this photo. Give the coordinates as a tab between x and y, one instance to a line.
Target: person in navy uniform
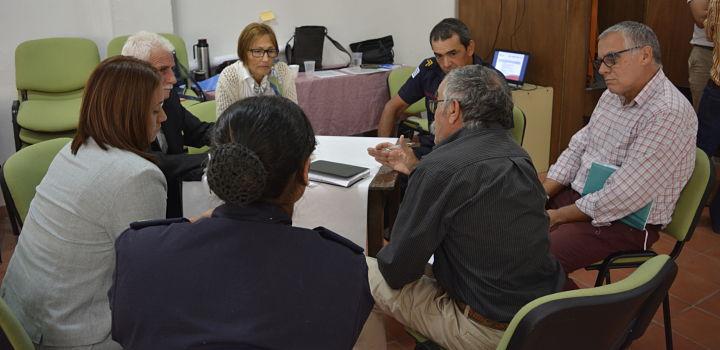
242	277
452	47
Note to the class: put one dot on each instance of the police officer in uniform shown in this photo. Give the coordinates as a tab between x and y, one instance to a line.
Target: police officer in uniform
451	43
243	276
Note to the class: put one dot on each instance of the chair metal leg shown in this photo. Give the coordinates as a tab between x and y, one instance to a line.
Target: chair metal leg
666	320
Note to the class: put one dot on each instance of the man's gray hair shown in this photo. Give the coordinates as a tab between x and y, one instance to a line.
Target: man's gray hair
141	44
483	94
636	34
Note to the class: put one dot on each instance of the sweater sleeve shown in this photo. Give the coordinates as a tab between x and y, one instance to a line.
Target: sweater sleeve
287	80
228	89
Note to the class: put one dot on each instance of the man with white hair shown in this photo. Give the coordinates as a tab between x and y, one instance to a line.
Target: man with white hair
643	126
180	129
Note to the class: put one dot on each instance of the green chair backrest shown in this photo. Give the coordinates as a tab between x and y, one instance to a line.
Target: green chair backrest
605	317
205	111
115	46
518	130
13	330
24	170
396	79
692	199
54	67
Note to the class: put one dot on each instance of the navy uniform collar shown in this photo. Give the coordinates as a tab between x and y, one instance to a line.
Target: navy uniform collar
256	212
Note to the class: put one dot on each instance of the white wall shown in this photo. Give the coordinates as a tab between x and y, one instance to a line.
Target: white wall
221	21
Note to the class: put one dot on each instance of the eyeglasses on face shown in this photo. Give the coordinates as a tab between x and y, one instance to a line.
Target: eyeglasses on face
258	53
433	104
611	58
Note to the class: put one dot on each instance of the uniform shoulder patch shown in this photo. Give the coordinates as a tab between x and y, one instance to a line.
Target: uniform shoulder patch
148	223
428	62
415	72
329	235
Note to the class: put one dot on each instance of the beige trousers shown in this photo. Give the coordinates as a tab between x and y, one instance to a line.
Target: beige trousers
425	308
699	64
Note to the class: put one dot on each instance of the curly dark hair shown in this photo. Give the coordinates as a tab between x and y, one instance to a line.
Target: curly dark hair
259	144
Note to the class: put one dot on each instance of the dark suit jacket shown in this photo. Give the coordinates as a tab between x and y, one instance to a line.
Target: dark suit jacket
181	129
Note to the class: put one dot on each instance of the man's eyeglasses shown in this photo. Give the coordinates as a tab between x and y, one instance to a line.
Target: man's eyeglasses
258	53
611	58
433	104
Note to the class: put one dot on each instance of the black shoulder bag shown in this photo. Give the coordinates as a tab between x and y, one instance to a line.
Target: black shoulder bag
375	51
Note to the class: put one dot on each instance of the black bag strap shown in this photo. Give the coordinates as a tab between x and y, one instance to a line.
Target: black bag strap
338	45
288	51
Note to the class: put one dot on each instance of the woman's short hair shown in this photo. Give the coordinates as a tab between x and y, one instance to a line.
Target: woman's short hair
116	105
260	145
251	32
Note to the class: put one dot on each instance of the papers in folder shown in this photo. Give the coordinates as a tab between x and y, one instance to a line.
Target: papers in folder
337	173
597	175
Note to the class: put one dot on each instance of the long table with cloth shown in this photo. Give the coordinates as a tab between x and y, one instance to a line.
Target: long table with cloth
344	105
342	210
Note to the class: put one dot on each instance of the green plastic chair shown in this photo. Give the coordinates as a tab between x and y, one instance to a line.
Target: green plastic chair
688	210
396	79
22	172
205	111
606	317
50	75
14	332
518	130
115	46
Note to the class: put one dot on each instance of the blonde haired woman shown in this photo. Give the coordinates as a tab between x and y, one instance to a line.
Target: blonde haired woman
255	74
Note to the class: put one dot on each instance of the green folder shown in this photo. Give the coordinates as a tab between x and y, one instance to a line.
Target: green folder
597	175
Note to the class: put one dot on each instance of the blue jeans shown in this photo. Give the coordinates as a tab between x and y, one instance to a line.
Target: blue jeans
708	137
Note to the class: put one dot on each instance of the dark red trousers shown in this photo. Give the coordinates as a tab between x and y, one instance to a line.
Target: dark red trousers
579	244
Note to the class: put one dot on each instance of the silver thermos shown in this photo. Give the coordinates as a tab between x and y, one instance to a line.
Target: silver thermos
200	50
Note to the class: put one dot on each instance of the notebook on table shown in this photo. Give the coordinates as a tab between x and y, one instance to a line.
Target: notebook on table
339	174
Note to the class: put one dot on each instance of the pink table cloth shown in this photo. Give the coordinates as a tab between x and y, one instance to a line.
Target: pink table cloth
343	105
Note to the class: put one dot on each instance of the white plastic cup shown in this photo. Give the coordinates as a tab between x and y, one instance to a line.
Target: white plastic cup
309	66
356	59
294	69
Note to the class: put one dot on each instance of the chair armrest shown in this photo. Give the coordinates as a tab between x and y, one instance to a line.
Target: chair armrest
15	109
610	263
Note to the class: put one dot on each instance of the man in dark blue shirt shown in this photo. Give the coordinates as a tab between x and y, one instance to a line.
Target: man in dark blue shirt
453	48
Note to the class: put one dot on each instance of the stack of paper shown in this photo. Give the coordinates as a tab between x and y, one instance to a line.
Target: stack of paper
336	173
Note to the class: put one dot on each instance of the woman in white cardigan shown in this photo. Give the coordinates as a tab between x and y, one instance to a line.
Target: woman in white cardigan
255	73
59	275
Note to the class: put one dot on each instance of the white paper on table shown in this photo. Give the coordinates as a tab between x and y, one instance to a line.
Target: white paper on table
328	73
358	70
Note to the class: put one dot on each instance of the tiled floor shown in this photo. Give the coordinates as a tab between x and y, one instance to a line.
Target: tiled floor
695	295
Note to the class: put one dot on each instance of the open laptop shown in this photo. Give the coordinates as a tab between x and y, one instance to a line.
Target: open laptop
512	64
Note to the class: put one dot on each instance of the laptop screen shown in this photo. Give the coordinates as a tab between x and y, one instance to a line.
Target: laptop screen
512	64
